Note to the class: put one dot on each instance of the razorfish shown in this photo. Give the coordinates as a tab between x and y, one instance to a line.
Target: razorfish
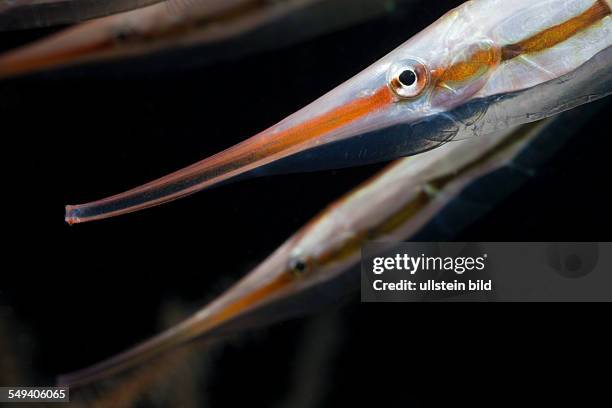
253	25
483	67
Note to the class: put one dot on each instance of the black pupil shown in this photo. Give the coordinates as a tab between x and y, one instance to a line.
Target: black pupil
299	265
408	77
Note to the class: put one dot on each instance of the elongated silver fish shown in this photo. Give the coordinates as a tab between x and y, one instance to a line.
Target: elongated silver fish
174	24
316	265
482	67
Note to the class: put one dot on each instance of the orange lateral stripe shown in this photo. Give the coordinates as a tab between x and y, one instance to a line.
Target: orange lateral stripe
267	144
329	121
31	60
557	34
478	64
250	300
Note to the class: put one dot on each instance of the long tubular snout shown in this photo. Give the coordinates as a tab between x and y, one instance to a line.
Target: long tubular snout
180	24
298	133
135	32
243	305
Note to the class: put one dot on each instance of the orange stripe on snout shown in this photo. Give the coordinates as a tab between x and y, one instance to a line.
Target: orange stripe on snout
268	144
38	58
264	148
330	121
557	34
249	301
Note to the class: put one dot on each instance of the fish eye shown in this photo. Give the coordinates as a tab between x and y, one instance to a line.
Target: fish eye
408	79
124	34
121	35
299	266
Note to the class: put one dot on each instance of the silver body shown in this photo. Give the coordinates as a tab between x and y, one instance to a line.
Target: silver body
174	24
475	89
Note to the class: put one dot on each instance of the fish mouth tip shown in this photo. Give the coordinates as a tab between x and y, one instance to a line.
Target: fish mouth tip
68	380
61	381
72	215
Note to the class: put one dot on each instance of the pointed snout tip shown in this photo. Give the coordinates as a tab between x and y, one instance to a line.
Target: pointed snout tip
72	215
70	380
62	381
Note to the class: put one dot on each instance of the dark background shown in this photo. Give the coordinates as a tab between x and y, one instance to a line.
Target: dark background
80	294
